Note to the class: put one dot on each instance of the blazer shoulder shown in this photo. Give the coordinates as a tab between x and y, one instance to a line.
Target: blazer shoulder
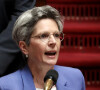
69	71
72	76
11	81
10	76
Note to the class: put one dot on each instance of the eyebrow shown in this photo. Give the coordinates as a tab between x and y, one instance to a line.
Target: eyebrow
48	32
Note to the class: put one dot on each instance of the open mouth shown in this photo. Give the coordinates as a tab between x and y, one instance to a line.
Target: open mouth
50	53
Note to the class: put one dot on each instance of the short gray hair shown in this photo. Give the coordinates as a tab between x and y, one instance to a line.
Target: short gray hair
24	25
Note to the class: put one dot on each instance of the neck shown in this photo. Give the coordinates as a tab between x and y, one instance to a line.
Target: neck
38	72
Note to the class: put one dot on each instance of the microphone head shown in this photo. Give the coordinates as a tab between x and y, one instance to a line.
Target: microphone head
51	74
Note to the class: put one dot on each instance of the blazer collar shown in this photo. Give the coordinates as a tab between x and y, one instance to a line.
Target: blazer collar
27	78
28	84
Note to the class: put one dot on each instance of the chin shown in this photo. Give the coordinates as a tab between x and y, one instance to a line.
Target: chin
52	62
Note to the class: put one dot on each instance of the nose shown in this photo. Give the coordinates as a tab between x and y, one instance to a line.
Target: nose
52	41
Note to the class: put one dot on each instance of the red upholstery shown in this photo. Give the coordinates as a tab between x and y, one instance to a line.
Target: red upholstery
83	26
79	59
63	1
93	88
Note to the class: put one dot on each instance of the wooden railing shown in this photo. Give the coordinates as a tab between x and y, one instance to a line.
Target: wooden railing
80	49
78	10
92	78
81	42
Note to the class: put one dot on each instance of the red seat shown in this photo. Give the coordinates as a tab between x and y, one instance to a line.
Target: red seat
79	59
83	26
93	88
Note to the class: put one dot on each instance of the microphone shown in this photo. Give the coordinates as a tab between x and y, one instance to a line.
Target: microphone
50	79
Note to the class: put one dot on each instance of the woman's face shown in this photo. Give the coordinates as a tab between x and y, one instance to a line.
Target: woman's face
42	49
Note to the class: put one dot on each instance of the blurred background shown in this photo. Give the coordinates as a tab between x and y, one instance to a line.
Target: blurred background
81	45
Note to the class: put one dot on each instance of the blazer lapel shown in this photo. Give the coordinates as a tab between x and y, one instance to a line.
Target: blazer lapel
28	84
27	78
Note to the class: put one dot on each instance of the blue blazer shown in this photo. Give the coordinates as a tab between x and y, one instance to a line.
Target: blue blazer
69	79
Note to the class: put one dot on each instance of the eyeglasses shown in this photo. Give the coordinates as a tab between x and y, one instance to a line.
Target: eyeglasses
46	36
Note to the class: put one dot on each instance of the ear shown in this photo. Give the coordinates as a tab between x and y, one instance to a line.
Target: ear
23	47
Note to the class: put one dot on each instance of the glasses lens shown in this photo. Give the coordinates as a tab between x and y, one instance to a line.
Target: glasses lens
46	36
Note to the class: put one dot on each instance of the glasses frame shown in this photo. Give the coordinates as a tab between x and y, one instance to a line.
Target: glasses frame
39	36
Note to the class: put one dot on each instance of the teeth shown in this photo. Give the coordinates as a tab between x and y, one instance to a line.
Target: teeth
50	53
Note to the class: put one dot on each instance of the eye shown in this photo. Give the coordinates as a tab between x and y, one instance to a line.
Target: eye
57	35
45	35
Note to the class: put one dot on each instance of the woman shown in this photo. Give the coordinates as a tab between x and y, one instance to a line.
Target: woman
38	33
